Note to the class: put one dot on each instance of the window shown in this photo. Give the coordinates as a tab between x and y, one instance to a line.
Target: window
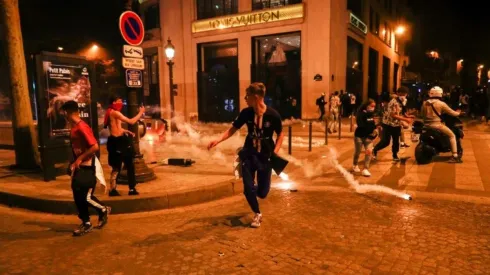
354	73
371	19
354	54
215	8
276	62
218	89
382	33
154	69
389	35
355	6
151	88
152	17
386	75
386	34
376	24
267	4
396	68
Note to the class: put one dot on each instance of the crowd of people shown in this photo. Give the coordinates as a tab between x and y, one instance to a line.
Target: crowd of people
396	115
259	148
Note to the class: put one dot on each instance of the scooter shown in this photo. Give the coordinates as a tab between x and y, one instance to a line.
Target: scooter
432	142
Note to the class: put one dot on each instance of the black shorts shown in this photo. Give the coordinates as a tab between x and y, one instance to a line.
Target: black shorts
119	149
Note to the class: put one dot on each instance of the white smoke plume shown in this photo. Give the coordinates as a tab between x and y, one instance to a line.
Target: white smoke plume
362	188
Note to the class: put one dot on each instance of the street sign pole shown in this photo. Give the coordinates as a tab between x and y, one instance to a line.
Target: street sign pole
133	32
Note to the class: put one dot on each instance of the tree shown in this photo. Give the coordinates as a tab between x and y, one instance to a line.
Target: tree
25	136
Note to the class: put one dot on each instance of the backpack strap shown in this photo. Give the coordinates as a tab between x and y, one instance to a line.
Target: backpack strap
404	110
434	109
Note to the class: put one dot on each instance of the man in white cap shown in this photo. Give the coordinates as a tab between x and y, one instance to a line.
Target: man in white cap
432	110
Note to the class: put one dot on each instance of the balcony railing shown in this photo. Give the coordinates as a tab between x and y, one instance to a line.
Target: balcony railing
268	4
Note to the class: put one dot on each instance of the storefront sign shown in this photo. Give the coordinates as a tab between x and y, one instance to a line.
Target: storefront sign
246	19
356	22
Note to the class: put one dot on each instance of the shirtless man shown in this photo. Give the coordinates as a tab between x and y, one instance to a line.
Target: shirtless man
120	145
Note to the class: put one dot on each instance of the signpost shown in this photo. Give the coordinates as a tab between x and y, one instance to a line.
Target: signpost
133	63
133	32
132	51
134	78
131	27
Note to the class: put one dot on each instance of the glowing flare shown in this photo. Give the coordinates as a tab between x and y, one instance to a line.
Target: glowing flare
287	185
284	176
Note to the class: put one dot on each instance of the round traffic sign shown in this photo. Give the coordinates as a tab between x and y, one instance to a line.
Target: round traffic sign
131	28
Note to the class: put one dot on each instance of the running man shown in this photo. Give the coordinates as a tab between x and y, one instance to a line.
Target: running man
262	122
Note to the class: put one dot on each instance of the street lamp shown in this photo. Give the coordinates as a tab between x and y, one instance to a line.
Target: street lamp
481	67
434	54
400	30
170	53
95	47
60	49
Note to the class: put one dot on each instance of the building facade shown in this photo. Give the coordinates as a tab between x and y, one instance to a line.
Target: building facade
298	49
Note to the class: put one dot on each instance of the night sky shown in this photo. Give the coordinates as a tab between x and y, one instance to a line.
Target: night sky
47	24
449	26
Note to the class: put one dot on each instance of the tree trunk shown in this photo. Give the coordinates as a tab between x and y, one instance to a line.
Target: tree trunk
25	137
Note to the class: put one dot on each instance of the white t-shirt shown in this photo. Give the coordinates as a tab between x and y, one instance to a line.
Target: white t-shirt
334	103
353	100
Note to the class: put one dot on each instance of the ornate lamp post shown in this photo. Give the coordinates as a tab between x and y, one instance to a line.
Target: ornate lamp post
170	53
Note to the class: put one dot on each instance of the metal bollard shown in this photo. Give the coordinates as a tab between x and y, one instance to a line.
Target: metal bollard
290	137
326	132
310	136
340	120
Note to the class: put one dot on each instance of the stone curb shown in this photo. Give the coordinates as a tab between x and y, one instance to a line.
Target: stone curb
141	203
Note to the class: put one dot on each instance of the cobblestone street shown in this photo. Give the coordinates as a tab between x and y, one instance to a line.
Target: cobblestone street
323	228
326	232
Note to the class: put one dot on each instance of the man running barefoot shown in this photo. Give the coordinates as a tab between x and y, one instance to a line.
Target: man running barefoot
262	122
120	145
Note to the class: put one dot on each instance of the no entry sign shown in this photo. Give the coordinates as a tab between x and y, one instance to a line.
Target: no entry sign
131	27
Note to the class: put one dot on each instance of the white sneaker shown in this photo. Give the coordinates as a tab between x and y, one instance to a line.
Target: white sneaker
256	221
356	169
366	173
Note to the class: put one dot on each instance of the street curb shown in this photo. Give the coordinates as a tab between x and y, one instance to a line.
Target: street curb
123	206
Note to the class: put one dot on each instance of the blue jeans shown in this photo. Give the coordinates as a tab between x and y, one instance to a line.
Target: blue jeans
368	145
251	165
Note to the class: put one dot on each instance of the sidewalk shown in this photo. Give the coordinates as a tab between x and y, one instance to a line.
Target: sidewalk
210	178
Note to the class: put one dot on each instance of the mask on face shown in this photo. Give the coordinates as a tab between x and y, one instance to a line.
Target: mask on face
117	106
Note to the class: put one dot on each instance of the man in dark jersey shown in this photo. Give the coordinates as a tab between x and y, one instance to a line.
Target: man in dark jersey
84	147
262	122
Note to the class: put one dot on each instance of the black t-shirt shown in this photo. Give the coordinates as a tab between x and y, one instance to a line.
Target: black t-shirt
260	138
365	124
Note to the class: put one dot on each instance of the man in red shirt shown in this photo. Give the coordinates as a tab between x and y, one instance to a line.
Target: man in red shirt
84	146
